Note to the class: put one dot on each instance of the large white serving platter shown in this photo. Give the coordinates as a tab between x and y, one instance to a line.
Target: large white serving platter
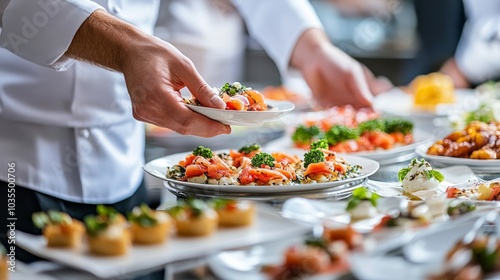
396	102
421	137
269	226
477	165
246	118
158	168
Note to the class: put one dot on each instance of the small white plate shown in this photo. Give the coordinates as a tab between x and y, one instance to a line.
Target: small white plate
399	103
269	226
246	118
492	165
158	168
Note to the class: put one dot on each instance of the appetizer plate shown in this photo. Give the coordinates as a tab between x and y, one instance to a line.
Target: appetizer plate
269	226
246	118
454	175
396	102
421	138
477	165
158	168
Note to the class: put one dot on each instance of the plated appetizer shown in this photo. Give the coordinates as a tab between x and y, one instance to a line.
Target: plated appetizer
478	140
431	90
234	213
59	229
489	191
238	97
108	234
193	217
362	204
369	135
419	176
250	166
149	226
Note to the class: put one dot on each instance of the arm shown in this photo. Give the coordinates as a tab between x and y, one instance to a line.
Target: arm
292	35
154	70
477	58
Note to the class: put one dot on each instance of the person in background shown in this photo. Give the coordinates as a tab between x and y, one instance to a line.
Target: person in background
477	57
75	76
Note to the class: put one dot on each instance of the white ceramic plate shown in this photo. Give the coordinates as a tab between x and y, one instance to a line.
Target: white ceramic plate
158	168
269	226
421	138
481	165
399	103
246	118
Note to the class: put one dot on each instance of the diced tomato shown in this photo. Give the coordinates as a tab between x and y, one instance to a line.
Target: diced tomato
451	192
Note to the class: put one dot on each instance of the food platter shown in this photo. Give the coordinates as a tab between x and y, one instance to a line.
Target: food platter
269	226
421	137
477	165
386	103
246	118
158	168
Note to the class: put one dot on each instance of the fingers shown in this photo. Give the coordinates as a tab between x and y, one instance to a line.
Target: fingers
202	91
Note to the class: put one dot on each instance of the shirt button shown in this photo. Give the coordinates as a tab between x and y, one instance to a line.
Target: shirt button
85	133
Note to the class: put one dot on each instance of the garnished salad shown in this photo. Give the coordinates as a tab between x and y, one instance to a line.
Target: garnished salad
419	176
238	97
249	165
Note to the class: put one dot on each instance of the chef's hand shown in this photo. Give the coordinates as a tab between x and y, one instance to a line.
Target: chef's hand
154	72
334	77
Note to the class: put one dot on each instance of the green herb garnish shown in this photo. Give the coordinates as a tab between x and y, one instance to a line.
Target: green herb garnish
263	159
204	152
320	144
341	133
52	217
313	156
304	135
143	216
392	125
429	172
359	195
195	206
249	148
221	203
233	89
105	217
371	125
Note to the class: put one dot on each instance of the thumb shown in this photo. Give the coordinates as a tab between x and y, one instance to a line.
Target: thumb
204	93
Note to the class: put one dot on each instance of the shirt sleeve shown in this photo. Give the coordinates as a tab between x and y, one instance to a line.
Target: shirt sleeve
478	52
41	31
277	25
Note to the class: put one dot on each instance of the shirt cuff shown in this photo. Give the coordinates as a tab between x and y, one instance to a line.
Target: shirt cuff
41	31
478	52
277	25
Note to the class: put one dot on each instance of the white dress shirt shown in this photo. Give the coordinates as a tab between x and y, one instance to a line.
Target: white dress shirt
478	52
68	125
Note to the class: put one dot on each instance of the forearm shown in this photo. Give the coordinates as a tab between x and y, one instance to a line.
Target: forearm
308	45
97	41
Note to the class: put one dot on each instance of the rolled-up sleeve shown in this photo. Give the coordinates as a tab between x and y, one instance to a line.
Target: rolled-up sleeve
42	30
277	25
478	52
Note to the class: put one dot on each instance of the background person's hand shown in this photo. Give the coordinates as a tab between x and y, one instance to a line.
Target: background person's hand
154	71
335	78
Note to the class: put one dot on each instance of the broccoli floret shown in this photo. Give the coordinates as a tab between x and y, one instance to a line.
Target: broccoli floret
371	125
313	156
249	148
305	135
232	89
340	133
398	125
320	144
263	159
204	152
